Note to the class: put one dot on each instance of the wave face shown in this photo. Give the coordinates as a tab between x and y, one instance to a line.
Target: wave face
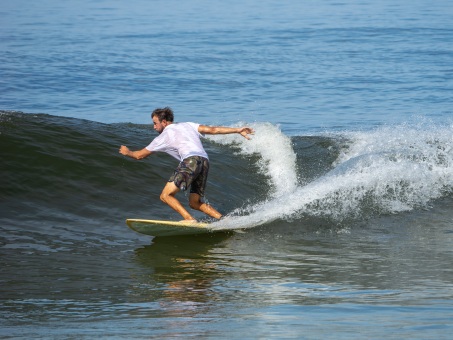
64	170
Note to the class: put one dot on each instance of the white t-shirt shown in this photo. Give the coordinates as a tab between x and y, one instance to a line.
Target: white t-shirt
180	140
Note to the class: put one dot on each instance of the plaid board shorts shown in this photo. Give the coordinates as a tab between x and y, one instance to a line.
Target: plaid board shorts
193	172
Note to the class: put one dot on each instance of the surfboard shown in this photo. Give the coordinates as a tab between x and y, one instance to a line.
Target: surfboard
167	228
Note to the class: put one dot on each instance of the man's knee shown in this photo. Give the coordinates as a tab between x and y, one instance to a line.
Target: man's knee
163	197
169	190
195	202
195	205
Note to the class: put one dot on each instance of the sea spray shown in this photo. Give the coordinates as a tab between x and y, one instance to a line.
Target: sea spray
383	171
397	168
277	157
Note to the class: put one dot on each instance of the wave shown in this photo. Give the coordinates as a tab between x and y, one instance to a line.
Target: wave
65	170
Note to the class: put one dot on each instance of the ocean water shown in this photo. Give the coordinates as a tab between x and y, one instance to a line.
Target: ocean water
341	203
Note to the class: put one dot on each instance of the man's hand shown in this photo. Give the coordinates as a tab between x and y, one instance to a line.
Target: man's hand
140	154
124	150
245	131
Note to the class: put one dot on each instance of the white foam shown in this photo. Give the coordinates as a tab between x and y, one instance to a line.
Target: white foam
387	170
277	157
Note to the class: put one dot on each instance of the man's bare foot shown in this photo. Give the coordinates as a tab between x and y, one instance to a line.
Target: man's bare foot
189	221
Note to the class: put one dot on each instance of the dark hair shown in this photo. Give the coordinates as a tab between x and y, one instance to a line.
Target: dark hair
165	113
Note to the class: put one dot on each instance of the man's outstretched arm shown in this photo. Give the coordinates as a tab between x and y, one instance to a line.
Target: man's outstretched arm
223	130
139	154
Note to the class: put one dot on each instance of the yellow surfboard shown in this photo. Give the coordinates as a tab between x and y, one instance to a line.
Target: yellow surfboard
167	228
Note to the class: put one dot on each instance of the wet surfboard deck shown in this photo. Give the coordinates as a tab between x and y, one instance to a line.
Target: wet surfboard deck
167	228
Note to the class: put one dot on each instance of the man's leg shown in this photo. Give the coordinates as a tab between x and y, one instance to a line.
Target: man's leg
196	203
168	196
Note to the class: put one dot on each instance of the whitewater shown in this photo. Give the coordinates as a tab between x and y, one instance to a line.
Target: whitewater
387	170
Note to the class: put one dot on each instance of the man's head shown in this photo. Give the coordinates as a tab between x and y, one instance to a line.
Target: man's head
161	118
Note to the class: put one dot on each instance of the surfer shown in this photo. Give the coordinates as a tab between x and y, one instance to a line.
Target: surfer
182	141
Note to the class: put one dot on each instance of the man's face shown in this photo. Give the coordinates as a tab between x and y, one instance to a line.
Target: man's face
159	126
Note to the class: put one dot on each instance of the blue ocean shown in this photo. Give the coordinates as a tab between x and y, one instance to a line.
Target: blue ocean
340	204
